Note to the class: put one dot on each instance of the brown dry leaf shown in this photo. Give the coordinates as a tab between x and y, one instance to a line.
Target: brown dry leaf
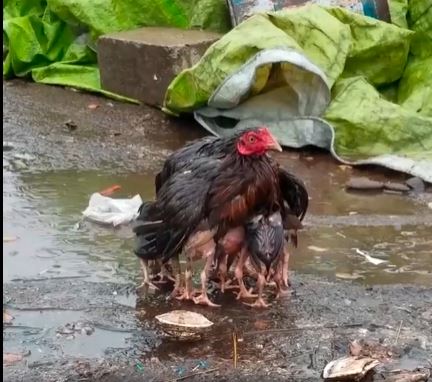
93	106
261	324
11	358
7	318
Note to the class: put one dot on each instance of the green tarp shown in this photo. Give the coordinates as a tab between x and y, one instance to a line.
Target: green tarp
322	76
53	41
325	77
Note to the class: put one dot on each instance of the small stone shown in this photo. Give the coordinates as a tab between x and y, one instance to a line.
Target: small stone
393	186
87	330
24	157
416	184
19	164
71	125
8	146
363	183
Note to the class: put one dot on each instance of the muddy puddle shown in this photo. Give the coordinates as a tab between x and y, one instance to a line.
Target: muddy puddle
45	238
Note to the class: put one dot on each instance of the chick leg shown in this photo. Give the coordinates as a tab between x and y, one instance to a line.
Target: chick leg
223	268
203	298
146	282
260	303
281	289
188	289
177	271
286	256
243	293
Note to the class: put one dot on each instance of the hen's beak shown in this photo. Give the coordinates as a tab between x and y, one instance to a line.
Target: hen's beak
273	144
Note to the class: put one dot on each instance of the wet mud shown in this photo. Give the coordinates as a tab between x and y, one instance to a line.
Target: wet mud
70	285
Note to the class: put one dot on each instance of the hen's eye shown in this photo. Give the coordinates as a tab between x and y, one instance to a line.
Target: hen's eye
251	139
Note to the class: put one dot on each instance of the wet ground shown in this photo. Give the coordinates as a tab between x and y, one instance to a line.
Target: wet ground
70	284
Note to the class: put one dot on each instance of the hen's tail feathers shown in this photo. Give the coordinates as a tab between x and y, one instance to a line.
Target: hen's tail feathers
294	193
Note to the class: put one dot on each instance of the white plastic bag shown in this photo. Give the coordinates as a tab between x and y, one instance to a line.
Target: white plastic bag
105	210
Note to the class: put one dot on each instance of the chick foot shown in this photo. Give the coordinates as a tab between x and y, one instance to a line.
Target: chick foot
147	285
203	299
244	293
259	303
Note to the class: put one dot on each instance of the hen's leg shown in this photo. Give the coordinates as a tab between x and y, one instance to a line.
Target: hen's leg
260	303
243	293
203	298
146	282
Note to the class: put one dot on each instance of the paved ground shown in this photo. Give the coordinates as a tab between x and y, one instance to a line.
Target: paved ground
58	273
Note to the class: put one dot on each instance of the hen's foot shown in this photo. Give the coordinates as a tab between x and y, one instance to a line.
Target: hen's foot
203	299
259	303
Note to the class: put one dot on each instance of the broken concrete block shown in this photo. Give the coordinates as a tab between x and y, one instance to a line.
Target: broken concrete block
141	63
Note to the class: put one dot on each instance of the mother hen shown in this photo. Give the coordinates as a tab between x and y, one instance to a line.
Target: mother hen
211	186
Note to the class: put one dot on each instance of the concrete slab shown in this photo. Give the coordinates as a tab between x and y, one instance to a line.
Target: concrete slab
141	63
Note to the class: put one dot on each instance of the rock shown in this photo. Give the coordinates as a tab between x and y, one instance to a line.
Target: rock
141	63
71	125
416	184
18	164
393	186
25	157
87	330
8	146
363	183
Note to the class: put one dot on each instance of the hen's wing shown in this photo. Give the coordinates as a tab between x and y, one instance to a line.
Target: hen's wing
181	202
207	147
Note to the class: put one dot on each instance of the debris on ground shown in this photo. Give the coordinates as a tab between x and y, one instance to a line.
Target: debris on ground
317	249
71	329
406	376
93	106
71	125
139	366
371	349
12	358
352	368
348	276
9	238
364	183
184	325
8	146
110	190
7	318
369	258
24	157
105	210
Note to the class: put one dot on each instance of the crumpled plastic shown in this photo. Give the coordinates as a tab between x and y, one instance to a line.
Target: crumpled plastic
109	211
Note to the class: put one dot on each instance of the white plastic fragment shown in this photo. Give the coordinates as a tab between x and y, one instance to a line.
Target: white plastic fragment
106	210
